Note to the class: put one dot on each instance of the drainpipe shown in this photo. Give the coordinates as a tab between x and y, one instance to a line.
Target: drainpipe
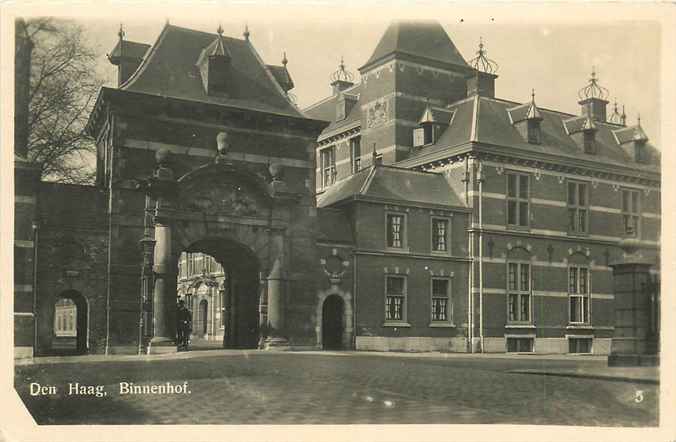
470	251
480	179
354	300
36	237
110	232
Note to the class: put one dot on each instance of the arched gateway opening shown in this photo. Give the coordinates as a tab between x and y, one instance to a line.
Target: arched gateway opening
70	324
240	301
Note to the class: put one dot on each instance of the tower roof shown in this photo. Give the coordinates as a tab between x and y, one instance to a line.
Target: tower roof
426	40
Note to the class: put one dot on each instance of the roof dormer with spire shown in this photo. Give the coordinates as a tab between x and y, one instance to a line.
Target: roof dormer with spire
214	65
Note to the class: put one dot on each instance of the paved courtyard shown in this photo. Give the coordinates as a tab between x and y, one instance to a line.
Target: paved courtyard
236	387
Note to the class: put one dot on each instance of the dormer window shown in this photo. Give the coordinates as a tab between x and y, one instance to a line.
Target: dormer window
430	126
589	141
640	152
534	133
527	119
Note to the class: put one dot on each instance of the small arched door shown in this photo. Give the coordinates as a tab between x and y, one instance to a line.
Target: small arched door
333	324
203	313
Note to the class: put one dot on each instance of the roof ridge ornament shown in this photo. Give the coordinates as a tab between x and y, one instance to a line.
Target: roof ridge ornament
616	117
533	111
481	63
342	74
121	32
219	31
593	89
285	61
246	33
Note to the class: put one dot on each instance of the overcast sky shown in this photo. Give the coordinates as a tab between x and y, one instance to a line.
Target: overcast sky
554	59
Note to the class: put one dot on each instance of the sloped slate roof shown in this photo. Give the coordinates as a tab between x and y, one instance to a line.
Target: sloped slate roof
393	184
334	226
282	75
326	109
130	49
423	39
627	134
491	122
169	70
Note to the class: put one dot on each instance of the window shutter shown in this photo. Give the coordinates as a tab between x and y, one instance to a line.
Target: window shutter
418	137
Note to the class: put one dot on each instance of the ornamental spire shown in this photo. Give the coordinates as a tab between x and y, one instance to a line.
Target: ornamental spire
481	63
246	32
285	61
593	89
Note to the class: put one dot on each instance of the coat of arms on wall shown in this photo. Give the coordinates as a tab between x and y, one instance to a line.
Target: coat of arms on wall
334	267
377	113
226	199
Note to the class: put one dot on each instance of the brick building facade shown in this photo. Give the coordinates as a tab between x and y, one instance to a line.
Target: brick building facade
411	211
542	203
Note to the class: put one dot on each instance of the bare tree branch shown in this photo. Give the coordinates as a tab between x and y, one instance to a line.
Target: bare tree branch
64	85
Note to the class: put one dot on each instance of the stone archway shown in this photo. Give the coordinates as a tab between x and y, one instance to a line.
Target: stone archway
348	326
70	312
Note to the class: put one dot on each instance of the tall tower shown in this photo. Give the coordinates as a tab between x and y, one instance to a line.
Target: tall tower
415	64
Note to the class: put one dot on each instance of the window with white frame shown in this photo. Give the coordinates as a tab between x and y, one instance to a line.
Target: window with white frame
396	230
518	199
327	158
630	212
578	292
395	298
441	306
578	207
518	292
355	154
440	234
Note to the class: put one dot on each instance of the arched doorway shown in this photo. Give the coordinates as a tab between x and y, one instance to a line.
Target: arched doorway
241	286
203	317
333	327
70	314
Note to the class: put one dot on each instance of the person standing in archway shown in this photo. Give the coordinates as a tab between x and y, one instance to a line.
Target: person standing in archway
183	326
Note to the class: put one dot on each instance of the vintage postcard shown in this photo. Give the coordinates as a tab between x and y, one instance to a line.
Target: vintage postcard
337	221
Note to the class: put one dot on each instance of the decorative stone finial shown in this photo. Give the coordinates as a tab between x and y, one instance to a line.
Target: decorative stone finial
162	156
121	32
276	171
222	143
219	31
284	59
246	32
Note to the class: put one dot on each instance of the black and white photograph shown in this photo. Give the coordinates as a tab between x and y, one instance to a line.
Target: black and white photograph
337	218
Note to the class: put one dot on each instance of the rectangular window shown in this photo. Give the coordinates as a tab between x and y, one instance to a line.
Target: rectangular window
520	345
518	288
630	212
395	298
428	131
395	231
579	345
439	235
440	299
328	166
578	291
518	199
578	207
355	154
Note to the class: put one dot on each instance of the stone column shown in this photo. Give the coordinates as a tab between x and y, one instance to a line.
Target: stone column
633	341
275	293
164	294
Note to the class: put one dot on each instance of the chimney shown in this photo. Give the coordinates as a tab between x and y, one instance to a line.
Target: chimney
593	99
341	79
22	71
127	56
482	81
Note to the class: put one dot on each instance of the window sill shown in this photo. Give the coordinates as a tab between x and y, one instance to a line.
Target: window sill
524	325
397	324
518	228
441	325
402	251
578	234
580	326
439	253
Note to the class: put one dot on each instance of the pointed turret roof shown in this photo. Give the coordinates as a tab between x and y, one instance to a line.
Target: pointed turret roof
423	40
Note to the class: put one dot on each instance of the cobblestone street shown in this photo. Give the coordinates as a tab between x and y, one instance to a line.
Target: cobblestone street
234	387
